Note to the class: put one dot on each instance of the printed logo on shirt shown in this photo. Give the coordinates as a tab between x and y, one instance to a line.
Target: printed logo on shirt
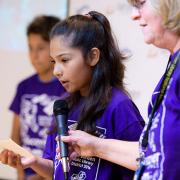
155	153
83	167
36	117
80	176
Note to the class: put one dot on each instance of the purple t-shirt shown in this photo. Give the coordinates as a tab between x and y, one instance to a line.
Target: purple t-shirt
162	158
33	102
121	120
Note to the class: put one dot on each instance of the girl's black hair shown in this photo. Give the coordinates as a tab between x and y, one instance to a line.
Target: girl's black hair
86	32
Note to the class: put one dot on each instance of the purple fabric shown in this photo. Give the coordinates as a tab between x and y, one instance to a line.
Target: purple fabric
121	120
33	102
162	158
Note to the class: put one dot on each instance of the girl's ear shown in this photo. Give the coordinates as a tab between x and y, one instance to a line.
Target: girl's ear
93	56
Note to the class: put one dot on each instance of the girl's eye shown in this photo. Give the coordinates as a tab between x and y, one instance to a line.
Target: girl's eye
64	60
52	61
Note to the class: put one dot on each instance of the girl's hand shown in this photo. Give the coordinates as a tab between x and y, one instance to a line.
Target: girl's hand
15	160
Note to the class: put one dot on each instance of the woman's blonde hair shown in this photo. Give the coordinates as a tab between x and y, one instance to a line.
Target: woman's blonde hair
169	10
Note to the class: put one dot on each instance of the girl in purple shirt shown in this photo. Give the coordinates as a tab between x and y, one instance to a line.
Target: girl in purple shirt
90	67
157	154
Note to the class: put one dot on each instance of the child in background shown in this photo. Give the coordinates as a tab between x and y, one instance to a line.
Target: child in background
89	65
32	104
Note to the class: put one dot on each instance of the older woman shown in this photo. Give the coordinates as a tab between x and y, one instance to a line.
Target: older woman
159	156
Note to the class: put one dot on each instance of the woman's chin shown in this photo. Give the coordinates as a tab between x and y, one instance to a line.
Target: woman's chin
147	40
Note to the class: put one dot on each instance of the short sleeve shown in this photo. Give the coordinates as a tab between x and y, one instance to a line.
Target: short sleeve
15	104
177	88
50	147
128	121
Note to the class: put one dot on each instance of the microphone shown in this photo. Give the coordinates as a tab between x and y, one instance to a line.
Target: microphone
60	109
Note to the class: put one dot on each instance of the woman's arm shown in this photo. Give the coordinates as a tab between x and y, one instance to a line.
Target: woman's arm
120	152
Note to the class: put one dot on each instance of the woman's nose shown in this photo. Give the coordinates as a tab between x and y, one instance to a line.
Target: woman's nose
135	14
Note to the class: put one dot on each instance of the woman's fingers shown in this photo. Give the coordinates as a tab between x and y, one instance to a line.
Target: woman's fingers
72	137
73	140
66	139
57	138
73	155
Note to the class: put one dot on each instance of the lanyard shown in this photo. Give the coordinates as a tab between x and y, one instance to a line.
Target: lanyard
158	100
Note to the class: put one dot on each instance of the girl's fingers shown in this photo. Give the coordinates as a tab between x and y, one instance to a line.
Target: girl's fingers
19	164
11	160
4	156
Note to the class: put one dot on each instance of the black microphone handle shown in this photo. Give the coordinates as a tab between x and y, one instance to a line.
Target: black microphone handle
62	129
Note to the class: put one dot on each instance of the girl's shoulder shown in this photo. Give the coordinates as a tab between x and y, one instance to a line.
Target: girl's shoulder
119	100
119	96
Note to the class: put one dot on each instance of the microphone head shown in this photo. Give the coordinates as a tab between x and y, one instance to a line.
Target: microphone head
60	107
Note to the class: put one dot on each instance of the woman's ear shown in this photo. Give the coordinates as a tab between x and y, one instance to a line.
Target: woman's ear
94	56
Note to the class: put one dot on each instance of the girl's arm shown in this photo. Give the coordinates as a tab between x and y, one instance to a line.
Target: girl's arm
43	167
15	133
15	136
120	152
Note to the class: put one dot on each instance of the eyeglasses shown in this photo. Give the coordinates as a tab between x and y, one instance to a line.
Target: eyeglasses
138	5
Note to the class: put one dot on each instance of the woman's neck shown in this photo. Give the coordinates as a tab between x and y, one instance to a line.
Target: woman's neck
172	43
177	46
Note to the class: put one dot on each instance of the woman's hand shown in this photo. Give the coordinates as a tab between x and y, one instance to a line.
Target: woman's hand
123	153
80	144
15	160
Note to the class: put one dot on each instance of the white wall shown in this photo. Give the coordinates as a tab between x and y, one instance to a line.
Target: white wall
13	66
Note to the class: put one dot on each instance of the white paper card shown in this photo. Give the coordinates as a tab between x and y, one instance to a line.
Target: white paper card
12	146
